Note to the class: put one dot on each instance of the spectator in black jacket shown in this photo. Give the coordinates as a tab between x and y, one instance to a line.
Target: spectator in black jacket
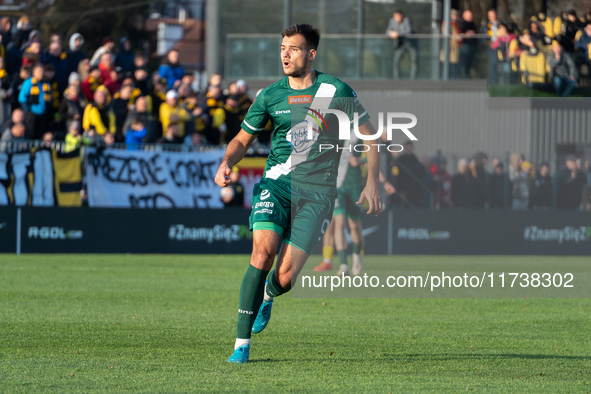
496	186
74	52
462	187
469	46
72	106
570	182
540	189
411	171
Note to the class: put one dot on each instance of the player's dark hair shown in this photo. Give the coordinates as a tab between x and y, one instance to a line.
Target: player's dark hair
310	33
399	11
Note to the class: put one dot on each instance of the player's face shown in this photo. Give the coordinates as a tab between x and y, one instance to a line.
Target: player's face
295	57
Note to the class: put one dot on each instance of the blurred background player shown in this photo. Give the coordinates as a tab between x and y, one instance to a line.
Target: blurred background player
349	187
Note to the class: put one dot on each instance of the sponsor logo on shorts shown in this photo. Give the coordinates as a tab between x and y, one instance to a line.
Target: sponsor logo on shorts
265	194
306	99
264	210
266	204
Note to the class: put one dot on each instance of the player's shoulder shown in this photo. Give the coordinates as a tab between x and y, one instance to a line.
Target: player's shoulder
274	87
343	89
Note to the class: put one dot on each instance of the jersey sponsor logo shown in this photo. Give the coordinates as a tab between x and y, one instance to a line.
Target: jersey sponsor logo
265	194
283	111
306	99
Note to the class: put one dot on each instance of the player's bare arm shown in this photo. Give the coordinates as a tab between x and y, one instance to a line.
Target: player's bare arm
371	192
234	153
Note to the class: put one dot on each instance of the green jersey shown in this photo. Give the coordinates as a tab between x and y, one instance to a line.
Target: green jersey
295	157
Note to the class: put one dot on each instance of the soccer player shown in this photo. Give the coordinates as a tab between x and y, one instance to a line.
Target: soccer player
293	202
349	186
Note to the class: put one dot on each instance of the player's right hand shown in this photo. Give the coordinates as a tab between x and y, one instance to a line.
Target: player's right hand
222	177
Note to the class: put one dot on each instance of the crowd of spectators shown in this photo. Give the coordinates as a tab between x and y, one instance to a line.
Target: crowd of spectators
518	185
61	93
563	43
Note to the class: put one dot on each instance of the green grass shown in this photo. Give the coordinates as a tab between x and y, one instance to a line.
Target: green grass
128	323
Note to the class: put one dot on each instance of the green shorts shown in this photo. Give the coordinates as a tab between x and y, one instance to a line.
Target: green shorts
298	215
346	202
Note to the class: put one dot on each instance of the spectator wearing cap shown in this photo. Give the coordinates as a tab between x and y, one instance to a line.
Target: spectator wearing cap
141	111
125	56
171	70
106	47
468	45
226	122
98	114
398	27
496	187
35	98
541	190
562	71
74	79
569	184
91	83
491	29
74	52
172	112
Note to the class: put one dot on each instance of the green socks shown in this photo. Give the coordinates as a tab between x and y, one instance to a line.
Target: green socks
356	248
342	256
274	289
251	298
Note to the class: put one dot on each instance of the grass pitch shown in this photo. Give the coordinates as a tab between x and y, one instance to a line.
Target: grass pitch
128	323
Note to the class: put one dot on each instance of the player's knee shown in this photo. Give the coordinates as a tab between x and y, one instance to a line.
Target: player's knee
261	257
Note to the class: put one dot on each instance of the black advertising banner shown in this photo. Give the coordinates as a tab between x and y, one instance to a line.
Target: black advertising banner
8	224
225	231
476	232
98	230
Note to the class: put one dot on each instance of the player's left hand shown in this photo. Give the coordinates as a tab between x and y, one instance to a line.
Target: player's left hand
372	194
